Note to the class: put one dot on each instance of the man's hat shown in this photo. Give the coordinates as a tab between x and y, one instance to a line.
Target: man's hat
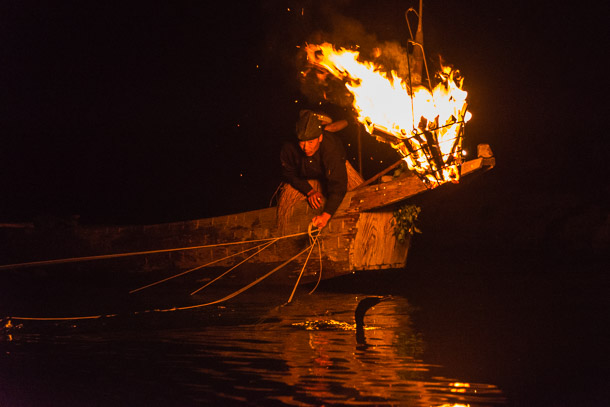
309	125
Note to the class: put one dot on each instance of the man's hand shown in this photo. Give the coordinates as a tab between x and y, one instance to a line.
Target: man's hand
321	220
315	199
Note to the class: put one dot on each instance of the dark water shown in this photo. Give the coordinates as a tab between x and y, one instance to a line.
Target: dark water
525	333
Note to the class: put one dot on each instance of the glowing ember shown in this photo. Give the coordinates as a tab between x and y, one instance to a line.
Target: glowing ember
424	126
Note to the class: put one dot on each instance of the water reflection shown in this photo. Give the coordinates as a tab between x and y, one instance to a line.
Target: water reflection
326	362
304	353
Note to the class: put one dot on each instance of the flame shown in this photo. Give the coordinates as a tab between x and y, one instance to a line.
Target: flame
425	127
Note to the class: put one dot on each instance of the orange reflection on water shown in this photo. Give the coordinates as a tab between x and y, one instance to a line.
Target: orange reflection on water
325	361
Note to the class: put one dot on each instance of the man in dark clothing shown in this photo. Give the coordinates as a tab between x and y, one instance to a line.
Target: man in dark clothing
319	155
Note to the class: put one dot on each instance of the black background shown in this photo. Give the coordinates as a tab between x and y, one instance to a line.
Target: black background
146	112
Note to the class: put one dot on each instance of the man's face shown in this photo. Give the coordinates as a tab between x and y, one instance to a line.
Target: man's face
310	147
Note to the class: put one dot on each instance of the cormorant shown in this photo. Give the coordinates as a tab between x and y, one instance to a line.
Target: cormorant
361	309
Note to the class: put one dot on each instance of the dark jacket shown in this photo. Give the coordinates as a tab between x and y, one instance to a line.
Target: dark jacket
327	165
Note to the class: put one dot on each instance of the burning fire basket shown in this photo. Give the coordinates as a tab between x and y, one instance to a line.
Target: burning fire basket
426	126
433	152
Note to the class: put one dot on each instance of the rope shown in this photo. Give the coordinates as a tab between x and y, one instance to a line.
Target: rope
193	269
241	290
319	274
274	196
314	241
228	297
60	319
235	266
112	256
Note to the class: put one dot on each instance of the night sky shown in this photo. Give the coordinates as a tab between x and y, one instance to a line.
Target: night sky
146	112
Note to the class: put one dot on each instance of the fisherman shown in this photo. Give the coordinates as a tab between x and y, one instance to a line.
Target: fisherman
318	155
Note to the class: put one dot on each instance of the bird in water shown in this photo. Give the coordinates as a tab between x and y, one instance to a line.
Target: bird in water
361	309
328	325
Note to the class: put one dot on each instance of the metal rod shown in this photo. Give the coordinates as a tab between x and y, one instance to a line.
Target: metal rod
359	143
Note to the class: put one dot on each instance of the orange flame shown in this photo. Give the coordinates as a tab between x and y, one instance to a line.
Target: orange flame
424	126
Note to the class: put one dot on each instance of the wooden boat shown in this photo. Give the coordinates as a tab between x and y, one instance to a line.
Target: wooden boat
360	236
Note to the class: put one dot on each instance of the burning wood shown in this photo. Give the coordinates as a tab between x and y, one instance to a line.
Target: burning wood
425	126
